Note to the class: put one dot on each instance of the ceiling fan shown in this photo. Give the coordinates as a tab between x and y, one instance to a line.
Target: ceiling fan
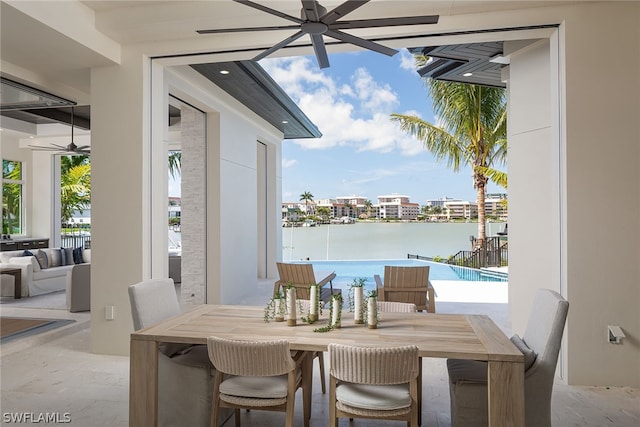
70	148
316	21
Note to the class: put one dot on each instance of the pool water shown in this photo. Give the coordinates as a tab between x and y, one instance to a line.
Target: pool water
347	271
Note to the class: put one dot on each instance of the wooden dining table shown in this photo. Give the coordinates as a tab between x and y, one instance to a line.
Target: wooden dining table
457	336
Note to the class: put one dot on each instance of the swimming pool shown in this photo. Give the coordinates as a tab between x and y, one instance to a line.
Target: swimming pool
347	271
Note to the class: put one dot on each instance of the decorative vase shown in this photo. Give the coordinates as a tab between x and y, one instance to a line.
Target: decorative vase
372	313
336	312
278	310
291	307
358	294
313	303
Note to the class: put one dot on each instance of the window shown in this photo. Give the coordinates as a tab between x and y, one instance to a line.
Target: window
12	197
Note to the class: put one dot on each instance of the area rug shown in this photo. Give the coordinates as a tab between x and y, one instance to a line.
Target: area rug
12	328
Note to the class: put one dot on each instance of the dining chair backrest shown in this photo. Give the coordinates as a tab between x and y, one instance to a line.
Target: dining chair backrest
152	301
373	365
301	276
250	358
543	335
296	273
408	284
396	307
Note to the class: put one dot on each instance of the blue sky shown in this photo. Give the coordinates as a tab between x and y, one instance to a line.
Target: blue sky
361	151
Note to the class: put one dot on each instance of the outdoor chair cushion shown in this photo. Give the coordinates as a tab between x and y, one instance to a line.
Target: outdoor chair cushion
374	397
257	387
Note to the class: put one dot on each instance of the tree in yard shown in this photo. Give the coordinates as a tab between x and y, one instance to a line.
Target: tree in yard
306	197
368	206
75	189
324	212
175	161
473	131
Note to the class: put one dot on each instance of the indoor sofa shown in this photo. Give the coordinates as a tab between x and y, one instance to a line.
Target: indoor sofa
43	270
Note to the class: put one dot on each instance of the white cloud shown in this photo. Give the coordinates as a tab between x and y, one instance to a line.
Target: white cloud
354	113
287	163
406	61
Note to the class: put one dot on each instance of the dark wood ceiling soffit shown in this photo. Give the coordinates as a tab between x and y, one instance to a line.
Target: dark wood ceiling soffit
250	84
81	116
452	62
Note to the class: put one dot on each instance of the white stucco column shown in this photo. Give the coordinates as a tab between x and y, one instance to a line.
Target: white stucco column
121	223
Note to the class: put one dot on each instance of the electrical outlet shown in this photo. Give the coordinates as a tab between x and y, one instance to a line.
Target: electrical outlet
109	312
615	334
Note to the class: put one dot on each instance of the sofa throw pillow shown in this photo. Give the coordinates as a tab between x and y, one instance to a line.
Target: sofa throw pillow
26	260
42	258
77	255
55	257
27	253
68	256
86	256
529	355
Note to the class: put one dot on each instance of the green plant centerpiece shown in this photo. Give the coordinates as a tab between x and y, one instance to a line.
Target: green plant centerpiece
275	308
372	309
335	314
356	299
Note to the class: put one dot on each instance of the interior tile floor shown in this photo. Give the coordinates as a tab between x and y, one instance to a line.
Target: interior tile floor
55	372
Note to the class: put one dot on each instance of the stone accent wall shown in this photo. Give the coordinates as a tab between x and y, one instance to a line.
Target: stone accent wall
193	211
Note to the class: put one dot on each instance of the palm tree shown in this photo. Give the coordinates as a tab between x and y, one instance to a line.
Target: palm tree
306	197
368	205
473	133
175	160
75	190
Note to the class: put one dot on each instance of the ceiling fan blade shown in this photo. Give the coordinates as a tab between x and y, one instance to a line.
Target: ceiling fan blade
340	11
367	44
277	46
385	22
320	50
270	11
242	30
310	8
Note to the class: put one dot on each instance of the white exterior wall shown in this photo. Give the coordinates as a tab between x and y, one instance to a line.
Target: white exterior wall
232	225
531	149
603	163
590	154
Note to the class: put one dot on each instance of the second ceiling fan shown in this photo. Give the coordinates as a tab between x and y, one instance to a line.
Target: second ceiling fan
316	21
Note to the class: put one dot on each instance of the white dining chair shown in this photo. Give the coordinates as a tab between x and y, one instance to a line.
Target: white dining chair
373	382
185	375
540	346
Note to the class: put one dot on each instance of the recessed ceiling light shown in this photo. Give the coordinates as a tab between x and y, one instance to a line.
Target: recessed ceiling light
468	74
285	122
224	71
